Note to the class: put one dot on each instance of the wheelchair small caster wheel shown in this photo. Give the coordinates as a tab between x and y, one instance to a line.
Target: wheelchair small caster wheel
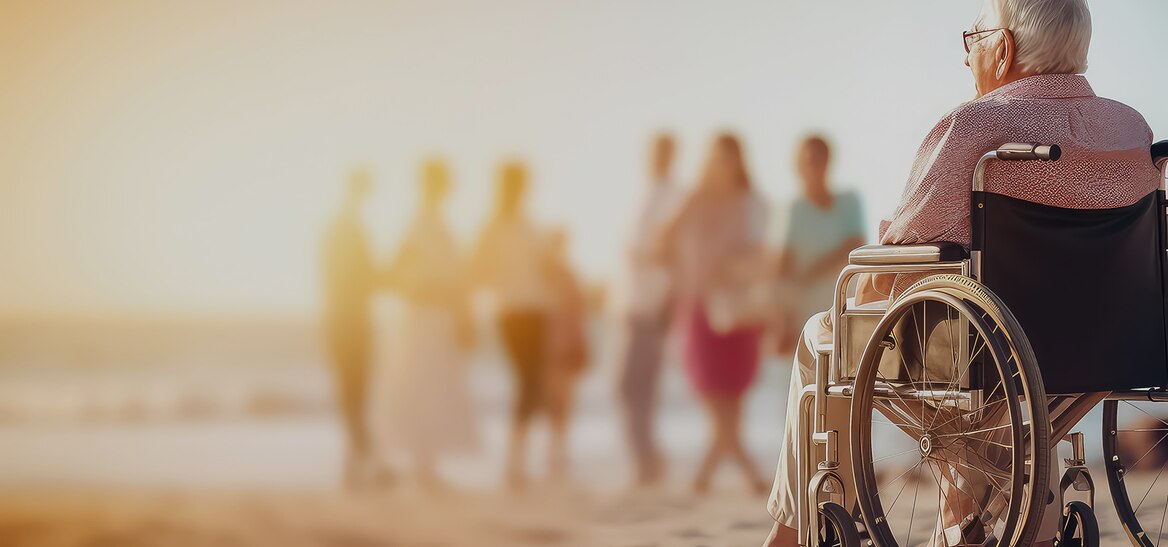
1078	527
837	528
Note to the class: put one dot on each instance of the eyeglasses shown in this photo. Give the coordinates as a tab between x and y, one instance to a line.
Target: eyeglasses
970	36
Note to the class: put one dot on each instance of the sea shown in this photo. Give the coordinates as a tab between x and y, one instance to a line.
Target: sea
248	402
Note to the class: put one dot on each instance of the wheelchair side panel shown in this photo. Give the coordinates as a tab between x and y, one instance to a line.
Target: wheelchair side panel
946	350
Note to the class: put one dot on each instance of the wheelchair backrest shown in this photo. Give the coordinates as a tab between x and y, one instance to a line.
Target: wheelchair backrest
1087	286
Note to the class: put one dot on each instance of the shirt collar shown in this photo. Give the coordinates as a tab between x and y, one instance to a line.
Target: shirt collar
1045	86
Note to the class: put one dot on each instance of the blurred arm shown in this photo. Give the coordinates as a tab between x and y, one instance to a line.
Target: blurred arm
665	242
830	264
479	270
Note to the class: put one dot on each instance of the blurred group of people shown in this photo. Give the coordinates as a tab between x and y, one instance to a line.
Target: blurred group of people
706	265
705	270
539	314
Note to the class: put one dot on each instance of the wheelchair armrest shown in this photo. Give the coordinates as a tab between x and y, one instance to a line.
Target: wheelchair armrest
924	253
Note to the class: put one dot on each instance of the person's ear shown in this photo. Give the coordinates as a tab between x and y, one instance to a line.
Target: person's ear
1006	52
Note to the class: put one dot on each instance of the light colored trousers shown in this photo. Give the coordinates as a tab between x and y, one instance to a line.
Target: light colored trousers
640	373
783	504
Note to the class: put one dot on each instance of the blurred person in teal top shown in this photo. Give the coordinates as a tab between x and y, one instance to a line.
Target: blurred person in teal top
821	228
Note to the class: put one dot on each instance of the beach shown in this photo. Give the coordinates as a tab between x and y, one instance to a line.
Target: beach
568	518
231	446
223	443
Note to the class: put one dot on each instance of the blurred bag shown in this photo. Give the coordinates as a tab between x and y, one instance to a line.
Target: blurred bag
731	307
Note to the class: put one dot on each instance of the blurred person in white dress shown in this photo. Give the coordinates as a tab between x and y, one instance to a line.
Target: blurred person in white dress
429	407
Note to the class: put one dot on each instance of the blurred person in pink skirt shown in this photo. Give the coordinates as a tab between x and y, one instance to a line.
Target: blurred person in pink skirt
721	224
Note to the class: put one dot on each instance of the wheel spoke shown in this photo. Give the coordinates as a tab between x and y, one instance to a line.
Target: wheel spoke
1157	443
986	441
1141	458
882	422
1158	473
924	355
907	471
995	469
953	345
964	433
955	384
1002	384
984	473
907	406
956	482
890	410
913	513
1146	413
942	500
969	413
897	455
1162	514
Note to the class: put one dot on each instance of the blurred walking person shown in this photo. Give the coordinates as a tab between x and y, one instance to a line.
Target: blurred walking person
430	412
510	260
567	349
349	281
650	309
720	225
822	227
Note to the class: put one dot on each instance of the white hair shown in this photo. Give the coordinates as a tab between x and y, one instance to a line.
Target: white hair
1052	36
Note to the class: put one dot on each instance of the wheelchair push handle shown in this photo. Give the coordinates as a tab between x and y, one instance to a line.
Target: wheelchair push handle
1024	151
1014	151
1160	154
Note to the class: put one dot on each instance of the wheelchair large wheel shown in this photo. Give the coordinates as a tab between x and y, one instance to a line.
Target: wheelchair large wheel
959	454
1134	441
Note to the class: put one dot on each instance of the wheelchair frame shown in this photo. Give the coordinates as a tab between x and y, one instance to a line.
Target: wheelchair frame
824	474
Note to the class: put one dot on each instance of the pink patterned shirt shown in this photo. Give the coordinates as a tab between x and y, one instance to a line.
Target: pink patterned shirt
1104	164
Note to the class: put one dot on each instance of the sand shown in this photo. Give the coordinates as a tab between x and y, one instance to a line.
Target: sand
548	517
406	517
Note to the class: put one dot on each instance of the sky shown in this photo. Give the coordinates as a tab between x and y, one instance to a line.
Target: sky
185	156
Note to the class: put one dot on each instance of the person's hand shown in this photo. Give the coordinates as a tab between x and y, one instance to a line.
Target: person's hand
873	288
781	536
787	339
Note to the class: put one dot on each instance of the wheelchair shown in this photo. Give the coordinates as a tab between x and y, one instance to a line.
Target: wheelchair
953	393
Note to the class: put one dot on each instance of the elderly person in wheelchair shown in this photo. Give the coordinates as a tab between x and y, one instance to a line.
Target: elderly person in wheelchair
1016	286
